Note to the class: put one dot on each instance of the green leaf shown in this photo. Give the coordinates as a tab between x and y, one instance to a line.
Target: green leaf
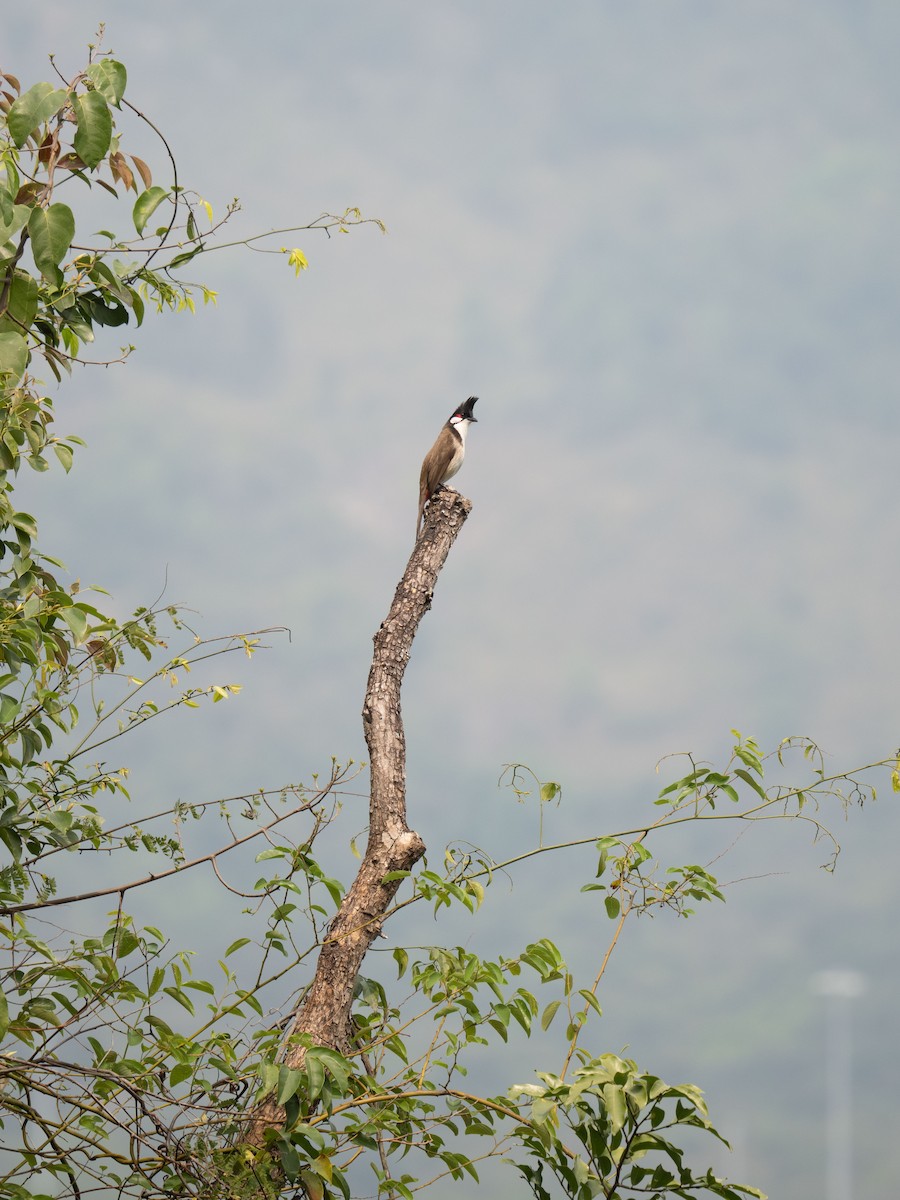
32	109
315	1072
80	323
289	1081
179	1073
591	1000
137	305
616	1107
101	274
338	1067
25	522
236	945
51	231
612	907
290	1159
109	78
751	782
146	205
9	708
315	1187
639	852
269	1074
94	133
105	312
543	1109
273	852
178	995
126	943
185	257
201	985
76	621
13	355
64	454
549	1013
62	822
22	305
4	1016
12	222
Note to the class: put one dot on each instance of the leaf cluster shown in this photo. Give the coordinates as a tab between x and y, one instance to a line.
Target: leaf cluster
55	293
609	1132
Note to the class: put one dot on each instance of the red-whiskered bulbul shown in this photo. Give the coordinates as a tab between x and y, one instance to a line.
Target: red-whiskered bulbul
445	457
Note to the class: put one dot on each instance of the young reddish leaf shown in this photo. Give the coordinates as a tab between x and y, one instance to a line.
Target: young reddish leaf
71	162
143	171
120	170
49	147
28	193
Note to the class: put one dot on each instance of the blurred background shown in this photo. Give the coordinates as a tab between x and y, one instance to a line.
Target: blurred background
661	243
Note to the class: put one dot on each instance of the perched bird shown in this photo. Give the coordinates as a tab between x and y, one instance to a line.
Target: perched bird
445	457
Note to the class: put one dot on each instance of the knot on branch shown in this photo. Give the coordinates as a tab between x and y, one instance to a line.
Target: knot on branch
409	848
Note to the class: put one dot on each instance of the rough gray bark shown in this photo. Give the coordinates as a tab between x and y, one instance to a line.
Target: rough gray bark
392	846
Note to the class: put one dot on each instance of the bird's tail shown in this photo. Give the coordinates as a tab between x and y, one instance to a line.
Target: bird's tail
423	500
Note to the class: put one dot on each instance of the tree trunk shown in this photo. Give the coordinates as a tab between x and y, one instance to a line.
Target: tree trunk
324	1013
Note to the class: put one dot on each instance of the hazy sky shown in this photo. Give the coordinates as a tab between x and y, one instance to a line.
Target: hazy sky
659	241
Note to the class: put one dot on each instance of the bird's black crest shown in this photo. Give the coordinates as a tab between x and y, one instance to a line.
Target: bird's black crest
465	410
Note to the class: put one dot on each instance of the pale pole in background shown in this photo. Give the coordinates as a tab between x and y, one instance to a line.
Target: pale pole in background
839	987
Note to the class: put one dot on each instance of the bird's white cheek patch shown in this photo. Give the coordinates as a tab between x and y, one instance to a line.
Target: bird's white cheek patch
461	425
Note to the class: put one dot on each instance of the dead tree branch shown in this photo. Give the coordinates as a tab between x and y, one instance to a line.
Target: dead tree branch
324	1013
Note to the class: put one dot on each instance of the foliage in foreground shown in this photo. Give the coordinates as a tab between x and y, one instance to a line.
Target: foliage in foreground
128	1062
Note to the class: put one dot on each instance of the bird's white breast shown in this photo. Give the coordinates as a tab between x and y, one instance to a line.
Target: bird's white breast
461	425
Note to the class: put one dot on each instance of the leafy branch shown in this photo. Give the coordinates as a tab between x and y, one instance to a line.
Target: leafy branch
53	137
